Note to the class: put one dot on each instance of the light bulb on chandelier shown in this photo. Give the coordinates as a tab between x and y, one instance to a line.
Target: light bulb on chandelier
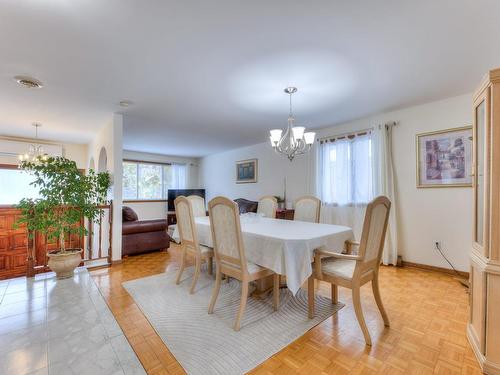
35	152
294	140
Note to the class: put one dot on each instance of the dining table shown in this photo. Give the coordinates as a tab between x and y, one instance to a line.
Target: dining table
283	246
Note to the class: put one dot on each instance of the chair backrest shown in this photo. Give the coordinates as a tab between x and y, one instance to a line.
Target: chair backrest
307	209
268	206
372	241
185	222
198	204
226	233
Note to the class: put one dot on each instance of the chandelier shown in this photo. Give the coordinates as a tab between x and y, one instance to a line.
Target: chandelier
35	151
293	141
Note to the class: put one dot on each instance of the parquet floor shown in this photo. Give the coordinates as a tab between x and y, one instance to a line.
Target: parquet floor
428	313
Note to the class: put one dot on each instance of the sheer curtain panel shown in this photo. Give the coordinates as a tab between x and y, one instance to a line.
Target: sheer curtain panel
352	170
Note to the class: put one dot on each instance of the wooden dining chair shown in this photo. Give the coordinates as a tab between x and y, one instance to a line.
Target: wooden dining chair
307	208
189	241
230	256
354	270
198	204
268	206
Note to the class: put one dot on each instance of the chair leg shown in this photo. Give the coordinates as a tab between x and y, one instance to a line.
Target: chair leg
356	300
197	270
210	261
183	265
335	293
215	292
276	291
310	296
243	304
378	299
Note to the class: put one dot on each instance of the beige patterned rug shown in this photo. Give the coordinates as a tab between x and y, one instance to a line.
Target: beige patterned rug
206	344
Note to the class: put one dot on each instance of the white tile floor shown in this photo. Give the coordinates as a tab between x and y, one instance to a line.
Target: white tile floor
50	326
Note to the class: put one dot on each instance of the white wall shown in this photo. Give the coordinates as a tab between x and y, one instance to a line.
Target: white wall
424	215
218	174
158	210
72	151
110	137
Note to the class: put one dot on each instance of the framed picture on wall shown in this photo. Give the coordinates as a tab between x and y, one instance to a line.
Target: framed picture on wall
444	158
246	171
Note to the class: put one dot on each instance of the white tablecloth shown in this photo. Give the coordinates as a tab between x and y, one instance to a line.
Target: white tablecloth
284	246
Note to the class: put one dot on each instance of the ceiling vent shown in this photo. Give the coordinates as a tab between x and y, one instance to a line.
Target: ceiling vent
29	82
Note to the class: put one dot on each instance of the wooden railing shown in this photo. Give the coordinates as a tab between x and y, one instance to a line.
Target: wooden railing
96	245
99	242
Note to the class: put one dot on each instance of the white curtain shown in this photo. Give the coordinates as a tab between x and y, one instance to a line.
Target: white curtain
351	171
345	180
385	185
179	176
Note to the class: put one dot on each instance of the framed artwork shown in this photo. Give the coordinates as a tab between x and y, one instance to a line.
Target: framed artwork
444	158
246	171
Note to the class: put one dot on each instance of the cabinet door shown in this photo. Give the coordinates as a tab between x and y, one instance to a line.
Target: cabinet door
481	168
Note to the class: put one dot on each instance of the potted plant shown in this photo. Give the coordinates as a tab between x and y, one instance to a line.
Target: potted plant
66	196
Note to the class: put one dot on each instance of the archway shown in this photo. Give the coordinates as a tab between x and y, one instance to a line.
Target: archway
102	165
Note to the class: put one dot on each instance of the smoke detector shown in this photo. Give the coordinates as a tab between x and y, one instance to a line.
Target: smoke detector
126	103
29	82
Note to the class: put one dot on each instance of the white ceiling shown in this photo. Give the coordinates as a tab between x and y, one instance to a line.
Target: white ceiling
208	75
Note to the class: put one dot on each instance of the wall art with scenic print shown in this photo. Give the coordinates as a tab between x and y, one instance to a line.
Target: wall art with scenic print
444	158
246	171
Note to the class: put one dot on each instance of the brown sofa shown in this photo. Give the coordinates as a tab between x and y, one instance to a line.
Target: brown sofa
142	236
245	205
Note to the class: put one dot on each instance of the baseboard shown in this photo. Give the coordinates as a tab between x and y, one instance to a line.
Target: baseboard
435	269
115	262
488	367
471	337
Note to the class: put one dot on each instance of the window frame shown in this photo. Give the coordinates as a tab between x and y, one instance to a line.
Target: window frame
16	166
137	162
351	139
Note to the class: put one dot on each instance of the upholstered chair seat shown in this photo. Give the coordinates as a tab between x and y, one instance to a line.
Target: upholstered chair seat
230	255
184	210
354	270
335	267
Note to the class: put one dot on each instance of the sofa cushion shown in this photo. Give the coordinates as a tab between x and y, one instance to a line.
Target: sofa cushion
129	214
144	226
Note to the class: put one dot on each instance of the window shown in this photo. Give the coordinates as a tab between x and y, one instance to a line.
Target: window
15	185
151	181
346	172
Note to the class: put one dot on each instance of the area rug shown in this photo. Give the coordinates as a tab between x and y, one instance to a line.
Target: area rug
206	344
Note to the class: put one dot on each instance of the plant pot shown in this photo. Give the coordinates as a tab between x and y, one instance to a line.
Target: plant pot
64	264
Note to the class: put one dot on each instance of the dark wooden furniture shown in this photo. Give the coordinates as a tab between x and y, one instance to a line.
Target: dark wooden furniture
285	213
171	218
13	244
20	256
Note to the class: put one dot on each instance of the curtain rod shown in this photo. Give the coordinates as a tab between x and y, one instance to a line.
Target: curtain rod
345	135
354	133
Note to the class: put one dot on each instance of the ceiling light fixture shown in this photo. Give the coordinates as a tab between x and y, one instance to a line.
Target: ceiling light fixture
35	152
29	82
294	140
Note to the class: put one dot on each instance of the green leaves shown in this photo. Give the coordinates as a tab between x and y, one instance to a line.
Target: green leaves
67	196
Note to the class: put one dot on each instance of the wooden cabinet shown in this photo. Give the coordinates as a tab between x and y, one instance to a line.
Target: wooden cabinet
284	213
483	329
13	245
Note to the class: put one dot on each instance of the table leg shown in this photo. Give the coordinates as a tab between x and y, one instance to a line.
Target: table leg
264	286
